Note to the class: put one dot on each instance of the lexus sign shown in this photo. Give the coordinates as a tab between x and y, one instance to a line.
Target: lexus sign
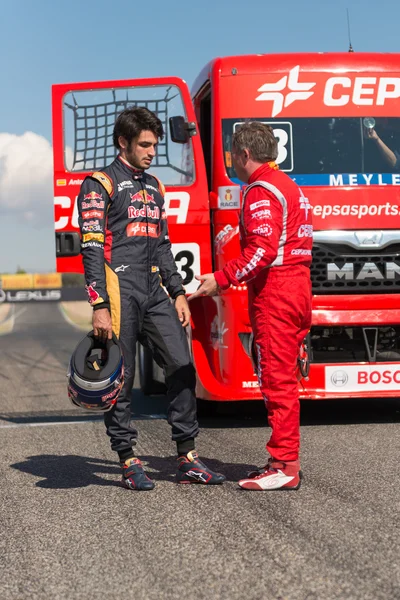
30	296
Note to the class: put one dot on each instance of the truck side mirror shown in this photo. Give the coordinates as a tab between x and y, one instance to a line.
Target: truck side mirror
181	130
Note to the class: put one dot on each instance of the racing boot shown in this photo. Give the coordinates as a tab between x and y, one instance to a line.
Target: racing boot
192	470
276	475
134	477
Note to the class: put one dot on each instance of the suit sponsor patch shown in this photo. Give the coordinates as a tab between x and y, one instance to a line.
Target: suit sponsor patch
142	229
92	214
145	211
91	245
259	204
265	230
125	185
262	214
251	265
93	204
87	237
301	252
92	225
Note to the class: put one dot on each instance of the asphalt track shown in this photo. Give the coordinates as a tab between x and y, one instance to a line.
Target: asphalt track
69	531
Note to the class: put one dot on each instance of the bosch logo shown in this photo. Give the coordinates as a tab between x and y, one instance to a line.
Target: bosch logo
339	378
285	91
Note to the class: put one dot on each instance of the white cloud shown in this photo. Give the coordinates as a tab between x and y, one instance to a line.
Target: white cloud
26	177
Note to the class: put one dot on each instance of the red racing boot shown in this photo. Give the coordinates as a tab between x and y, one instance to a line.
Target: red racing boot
192	470
276	475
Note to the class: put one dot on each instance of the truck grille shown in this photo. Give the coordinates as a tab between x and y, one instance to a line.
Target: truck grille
340	269
355	344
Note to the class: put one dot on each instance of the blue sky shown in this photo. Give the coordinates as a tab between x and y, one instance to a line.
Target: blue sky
51	41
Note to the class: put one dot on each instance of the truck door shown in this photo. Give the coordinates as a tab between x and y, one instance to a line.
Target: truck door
83	119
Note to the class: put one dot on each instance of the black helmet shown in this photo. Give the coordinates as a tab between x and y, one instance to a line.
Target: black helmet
96	373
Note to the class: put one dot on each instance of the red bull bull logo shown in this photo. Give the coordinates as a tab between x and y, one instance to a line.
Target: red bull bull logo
92	294
93	196
148	198
138	197
142	196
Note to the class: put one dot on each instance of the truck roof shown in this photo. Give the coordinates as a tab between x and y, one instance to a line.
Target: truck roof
360	62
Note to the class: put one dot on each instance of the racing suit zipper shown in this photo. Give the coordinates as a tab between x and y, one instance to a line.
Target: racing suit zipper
148	238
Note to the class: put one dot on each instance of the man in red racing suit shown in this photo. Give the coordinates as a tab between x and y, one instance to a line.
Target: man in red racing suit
276	246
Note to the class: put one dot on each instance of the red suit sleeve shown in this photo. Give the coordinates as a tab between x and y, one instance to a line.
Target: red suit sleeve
262	224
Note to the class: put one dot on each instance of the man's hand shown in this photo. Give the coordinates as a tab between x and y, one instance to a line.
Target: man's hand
182	308
208	286
371	134
102	325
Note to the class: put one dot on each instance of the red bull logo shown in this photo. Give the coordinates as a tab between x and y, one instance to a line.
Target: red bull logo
148	198
93	204
138	197
142	196
134	213
93	196
92	294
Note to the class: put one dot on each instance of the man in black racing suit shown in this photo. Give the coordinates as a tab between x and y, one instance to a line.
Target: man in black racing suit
126	256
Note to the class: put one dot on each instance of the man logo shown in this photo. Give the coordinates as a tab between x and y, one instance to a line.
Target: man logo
368	238
339	378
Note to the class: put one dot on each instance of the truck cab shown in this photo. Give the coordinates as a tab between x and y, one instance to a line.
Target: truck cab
337	121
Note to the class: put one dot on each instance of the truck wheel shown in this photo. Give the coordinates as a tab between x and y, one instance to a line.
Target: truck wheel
148	384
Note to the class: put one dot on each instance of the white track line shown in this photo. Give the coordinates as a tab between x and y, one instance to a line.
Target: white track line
7	325
70	321
8	426
99	420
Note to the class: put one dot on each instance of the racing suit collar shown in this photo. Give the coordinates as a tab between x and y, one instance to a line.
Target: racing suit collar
135	173
262	170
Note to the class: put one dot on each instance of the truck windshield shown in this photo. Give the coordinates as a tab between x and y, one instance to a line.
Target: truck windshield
331	151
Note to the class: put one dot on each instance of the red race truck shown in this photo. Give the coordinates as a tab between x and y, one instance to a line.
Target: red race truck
337	121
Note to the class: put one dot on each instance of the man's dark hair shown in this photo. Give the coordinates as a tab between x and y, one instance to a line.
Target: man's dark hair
132	121
259	140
